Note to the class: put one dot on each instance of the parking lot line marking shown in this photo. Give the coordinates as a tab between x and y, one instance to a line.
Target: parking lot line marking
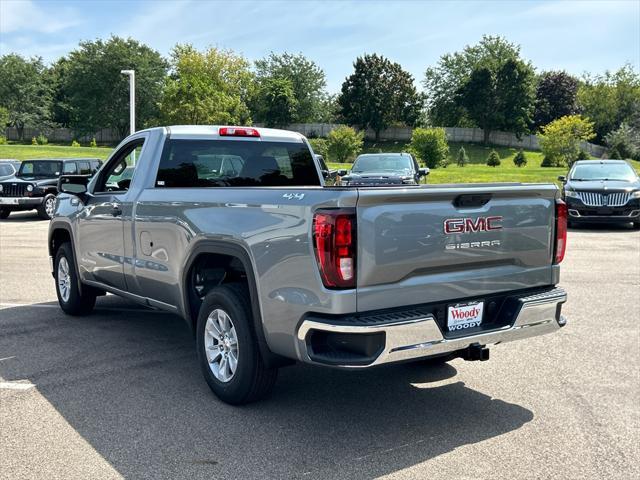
7	358
16	386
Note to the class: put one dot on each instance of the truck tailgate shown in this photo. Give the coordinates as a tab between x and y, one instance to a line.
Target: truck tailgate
441	243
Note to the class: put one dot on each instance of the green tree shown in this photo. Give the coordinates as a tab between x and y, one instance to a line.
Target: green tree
307	81
24	92
344	143
462	158
443	82
430	145
626	140
556	96
520	160
560	140
210	87
379	93
610	99
4	119
94	93
276	102
493	160
501	100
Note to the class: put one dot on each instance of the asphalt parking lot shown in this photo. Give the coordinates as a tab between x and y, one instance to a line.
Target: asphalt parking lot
119	393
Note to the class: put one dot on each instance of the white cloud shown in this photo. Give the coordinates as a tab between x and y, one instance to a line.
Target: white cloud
26	16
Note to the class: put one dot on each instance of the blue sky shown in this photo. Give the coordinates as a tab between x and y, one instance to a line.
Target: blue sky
576	36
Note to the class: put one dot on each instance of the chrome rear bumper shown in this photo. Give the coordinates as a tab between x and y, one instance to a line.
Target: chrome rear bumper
539	314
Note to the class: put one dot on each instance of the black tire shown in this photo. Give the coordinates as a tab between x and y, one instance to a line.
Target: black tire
4	213
76	303
636	225
252	380
42	209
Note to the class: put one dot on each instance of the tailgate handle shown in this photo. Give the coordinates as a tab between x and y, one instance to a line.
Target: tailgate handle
471	200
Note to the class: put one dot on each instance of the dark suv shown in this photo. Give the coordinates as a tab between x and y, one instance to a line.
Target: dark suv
372	169
603	191
35	185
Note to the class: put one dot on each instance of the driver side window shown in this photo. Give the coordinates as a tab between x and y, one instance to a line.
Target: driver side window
119	172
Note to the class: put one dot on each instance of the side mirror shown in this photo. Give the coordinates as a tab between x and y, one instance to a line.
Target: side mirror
74	184
342	172
562	178
325	173
423	172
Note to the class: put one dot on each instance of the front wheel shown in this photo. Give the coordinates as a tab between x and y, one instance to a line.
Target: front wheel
48	207
227	347
71	300
4	213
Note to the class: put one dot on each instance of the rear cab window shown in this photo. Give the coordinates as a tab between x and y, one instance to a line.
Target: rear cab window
232	163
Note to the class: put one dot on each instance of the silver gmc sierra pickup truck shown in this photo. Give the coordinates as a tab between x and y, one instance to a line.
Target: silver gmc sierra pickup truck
233	229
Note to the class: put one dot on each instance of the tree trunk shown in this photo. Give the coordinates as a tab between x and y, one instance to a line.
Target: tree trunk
486	132
377	135
20	130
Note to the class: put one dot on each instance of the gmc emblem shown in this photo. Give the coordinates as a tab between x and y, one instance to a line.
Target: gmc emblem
470	225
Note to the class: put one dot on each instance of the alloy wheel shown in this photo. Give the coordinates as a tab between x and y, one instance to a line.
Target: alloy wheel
221	345
64	279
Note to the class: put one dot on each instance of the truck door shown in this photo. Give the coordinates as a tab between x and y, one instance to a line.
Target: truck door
101	222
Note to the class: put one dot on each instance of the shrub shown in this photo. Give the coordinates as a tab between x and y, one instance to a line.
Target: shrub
493	160
560	139
462	159
343	144
430	145
93	143
319	146
3	140
520	160
34	141
583	155
548	161
42	140
75	143
446	162
615	154
626	140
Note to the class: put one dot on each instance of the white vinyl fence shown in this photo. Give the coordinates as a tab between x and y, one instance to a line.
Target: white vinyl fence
454	134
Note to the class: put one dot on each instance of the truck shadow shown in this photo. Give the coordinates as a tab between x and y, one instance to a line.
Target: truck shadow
129	384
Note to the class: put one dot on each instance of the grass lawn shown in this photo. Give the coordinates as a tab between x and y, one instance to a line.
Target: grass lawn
26	152
477	171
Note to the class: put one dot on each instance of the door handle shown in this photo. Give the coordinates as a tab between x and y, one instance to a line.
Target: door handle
116	211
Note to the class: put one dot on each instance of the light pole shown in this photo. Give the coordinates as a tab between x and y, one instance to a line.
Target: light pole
132	106
132	98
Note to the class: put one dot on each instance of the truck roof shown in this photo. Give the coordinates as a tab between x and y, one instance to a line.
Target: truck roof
204	132
65	159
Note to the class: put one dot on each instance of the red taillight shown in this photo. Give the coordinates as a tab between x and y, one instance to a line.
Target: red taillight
561	230
238	132
334	233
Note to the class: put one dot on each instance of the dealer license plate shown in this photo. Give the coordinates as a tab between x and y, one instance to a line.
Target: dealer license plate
8	201
464	315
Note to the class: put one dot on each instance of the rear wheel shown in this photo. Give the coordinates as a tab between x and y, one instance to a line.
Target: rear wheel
70	299
48	207
227	347
4	213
